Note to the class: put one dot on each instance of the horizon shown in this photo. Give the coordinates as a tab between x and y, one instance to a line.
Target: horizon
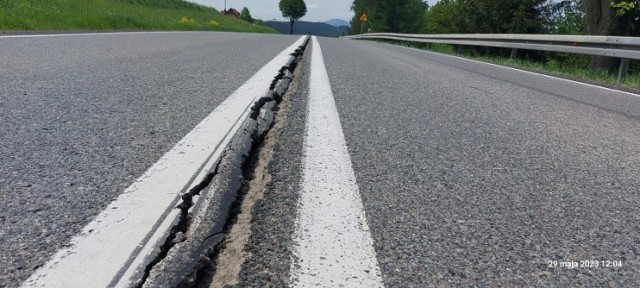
267	10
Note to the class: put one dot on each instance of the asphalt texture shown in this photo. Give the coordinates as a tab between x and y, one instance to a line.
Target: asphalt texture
269	250
83	116
470	174
473	174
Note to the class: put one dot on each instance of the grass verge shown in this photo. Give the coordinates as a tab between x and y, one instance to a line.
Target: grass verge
117	15
564	65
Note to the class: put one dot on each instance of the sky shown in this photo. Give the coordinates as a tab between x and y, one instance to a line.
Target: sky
317	10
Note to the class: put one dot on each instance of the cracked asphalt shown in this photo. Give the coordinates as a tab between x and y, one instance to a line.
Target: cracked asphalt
269	249
83	116
471	174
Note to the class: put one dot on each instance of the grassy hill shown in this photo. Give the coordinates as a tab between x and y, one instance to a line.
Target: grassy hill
117	15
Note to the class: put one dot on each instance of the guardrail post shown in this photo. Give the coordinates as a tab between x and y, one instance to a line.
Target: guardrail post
624	69
514	53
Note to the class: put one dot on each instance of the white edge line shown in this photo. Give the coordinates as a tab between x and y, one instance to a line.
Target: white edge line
517	69
101	34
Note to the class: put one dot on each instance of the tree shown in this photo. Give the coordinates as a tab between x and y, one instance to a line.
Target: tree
293	9
405	16
599	19
502	16
375	17
564	17
444	18
402	16
246	15
627	15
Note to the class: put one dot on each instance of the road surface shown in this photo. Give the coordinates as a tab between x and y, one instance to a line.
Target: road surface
469	173
393	167
84	116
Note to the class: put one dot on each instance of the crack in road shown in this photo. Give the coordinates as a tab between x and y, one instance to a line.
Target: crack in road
195	239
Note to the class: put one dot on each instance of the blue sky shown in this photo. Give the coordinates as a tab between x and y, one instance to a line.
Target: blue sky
317	10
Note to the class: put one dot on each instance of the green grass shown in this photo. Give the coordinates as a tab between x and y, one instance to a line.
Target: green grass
560	64
117	15
553	67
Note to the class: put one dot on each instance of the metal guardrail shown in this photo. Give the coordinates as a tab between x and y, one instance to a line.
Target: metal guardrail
625	48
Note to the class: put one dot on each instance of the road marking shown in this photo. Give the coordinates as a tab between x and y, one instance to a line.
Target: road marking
524	71
94	34
113	249
333	246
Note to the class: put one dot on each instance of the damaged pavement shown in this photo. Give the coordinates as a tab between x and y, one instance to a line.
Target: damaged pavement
191	248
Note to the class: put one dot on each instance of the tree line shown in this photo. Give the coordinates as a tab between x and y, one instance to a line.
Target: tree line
581	17
291	9
592	17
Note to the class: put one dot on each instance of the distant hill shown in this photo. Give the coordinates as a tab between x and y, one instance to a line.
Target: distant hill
311	28
338	23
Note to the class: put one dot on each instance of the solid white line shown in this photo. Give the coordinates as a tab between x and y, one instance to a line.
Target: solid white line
122	235
523	71
95	34
333	243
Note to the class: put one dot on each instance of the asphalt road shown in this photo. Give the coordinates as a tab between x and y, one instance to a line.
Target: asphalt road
470	173
83	116
479	175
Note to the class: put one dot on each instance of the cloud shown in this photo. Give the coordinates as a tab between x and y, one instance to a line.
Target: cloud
313	6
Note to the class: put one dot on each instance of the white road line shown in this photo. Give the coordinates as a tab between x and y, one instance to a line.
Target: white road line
94	34
333	243
115	245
